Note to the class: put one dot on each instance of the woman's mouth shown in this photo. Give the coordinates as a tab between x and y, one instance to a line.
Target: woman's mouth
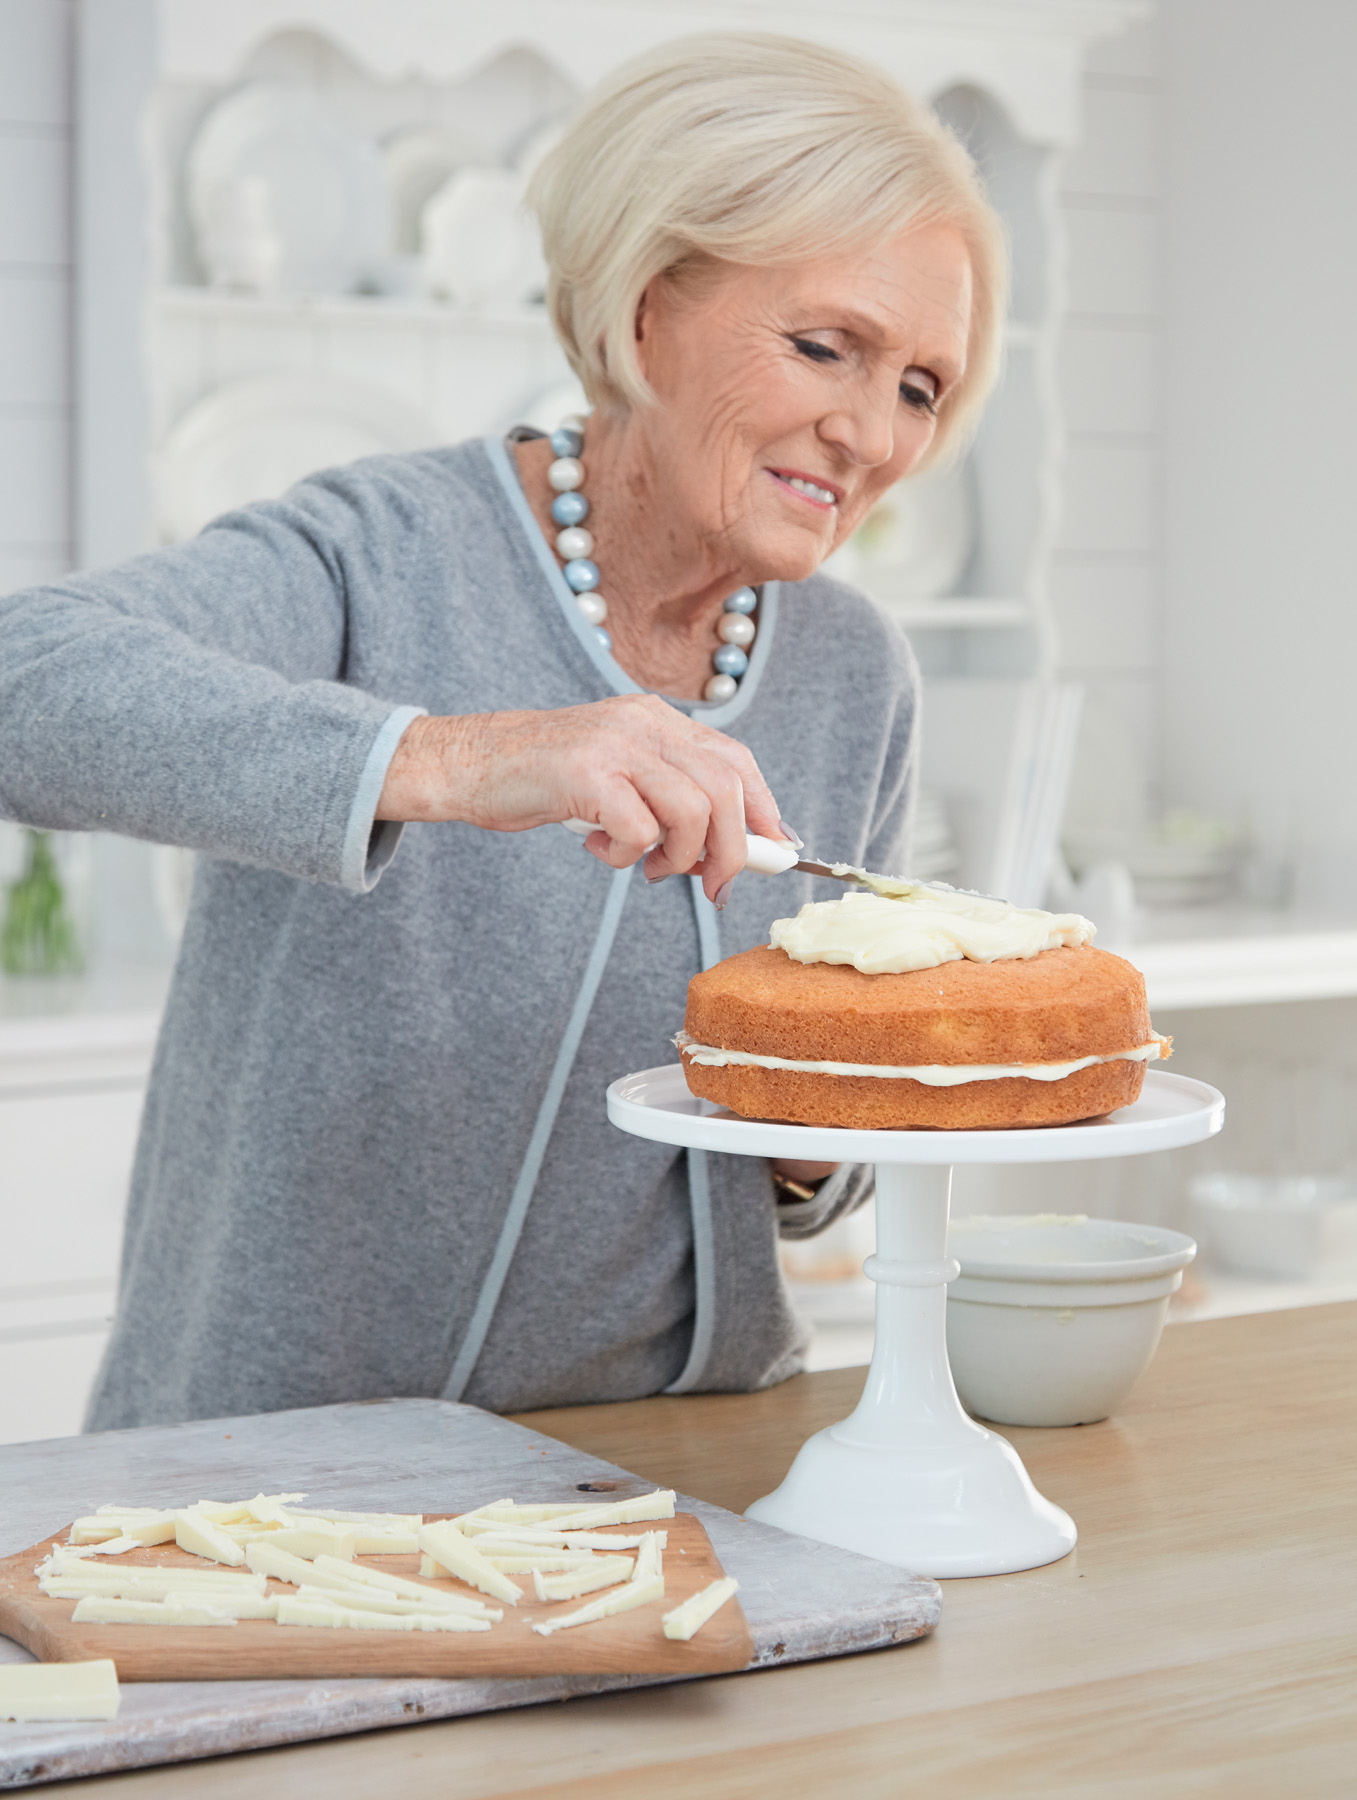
814	493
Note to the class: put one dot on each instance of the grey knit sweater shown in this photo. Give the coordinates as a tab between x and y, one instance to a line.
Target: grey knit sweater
375	1158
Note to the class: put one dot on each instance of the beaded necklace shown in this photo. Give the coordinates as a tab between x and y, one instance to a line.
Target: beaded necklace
575	547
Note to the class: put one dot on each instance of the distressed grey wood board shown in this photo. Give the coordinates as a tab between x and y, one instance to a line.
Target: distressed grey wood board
802	1599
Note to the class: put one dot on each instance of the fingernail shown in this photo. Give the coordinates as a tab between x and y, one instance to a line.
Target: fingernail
723	894
655	880
790	835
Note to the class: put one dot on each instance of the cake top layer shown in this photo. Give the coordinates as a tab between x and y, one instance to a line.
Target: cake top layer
920	926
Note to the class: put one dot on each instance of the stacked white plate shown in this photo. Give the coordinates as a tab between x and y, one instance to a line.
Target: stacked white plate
253	439
325	194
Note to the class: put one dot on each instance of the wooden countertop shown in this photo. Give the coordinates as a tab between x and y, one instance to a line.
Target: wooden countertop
1201	1640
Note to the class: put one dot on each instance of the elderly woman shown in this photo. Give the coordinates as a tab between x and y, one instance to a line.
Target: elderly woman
375	1158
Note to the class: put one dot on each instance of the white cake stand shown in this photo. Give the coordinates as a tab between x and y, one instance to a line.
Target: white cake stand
908	1477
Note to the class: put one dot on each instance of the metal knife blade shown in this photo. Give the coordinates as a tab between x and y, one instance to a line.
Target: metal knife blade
807	867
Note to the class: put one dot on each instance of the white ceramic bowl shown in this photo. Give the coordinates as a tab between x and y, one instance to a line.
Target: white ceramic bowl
1288	1227
1054	1318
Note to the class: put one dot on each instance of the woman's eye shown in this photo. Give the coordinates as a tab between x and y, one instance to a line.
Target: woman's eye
816	352
919	390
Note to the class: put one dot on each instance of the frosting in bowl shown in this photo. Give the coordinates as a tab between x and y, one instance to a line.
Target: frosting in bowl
920	928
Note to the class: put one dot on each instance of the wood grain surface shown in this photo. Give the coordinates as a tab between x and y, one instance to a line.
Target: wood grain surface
631	1643
1201	1641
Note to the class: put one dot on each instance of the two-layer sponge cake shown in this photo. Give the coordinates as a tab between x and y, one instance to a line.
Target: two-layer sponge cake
930	1008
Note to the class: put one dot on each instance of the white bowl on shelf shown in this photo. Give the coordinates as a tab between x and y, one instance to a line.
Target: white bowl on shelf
1053	1318
1182	861
1284	1227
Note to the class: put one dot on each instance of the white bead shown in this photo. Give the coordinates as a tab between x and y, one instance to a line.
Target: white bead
593	606
566	473
736	628
574	541
719	688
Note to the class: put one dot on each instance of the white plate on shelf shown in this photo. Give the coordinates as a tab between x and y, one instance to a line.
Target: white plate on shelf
326	192
540	140
916	541
253	439
480	246
415	164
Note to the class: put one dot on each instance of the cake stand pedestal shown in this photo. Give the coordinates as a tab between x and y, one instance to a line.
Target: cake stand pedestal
908	1477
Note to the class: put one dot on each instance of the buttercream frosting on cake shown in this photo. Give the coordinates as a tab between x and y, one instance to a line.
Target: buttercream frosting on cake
921	925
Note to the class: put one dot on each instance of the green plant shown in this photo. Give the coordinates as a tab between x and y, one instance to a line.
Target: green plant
38	936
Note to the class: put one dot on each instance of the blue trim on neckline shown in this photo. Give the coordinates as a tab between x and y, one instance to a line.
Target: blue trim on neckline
612	671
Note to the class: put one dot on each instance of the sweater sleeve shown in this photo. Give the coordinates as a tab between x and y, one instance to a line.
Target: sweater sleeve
197	695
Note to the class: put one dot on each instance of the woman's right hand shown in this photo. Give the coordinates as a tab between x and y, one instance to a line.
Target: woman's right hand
635	767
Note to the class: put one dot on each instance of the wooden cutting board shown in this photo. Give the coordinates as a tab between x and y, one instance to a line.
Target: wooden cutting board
632	1643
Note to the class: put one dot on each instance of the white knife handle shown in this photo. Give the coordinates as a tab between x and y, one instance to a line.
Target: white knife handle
770	856
763	856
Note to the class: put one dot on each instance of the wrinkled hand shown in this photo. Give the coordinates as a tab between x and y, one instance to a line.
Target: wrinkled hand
638	769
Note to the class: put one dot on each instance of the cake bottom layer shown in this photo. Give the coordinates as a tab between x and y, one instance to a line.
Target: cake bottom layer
866	1103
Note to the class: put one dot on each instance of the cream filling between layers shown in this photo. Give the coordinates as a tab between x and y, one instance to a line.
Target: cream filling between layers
930	1074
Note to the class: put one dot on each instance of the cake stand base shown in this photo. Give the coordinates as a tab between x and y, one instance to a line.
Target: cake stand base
956	1510
908	1477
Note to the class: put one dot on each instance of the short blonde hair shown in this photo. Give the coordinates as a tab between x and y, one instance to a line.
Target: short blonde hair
749	148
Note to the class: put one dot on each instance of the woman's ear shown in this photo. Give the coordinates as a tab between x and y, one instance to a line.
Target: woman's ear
644	325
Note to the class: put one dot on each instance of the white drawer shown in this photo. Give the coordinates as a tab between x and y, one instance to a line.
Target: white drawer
65	1161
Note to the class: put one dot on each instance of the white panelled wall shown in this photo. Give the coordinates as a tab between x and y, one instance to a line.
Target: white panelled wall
67	1121
1106	572
35	289
1261	452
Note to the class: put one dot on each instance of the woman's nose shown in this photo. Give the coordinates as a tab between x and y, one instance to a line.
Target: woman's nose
863	432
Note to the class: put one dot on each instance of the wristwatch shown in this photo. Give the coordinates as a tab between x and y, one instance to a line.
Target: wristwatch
797	1190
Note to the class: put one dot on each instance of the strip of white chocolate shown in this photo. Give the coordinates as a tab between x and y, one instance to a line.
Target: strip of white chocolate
689	1618
930	1074
42	1691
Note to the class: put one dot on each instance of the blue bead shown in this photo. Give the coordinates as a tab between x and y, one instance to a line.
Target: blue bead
570	509
603	637
730	660
581	574
743	600
565	442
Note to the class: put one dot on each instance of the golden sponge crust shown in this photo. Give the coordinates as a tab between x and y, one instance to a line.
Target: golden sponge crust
1056	1007
867	1103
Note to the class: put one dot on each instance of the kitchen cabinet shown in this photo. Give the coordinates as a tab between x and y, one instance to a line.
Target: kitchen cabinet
70	1103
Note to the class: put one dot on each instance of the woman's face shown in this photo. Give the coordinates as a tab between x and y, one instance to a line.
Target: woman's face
792	398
